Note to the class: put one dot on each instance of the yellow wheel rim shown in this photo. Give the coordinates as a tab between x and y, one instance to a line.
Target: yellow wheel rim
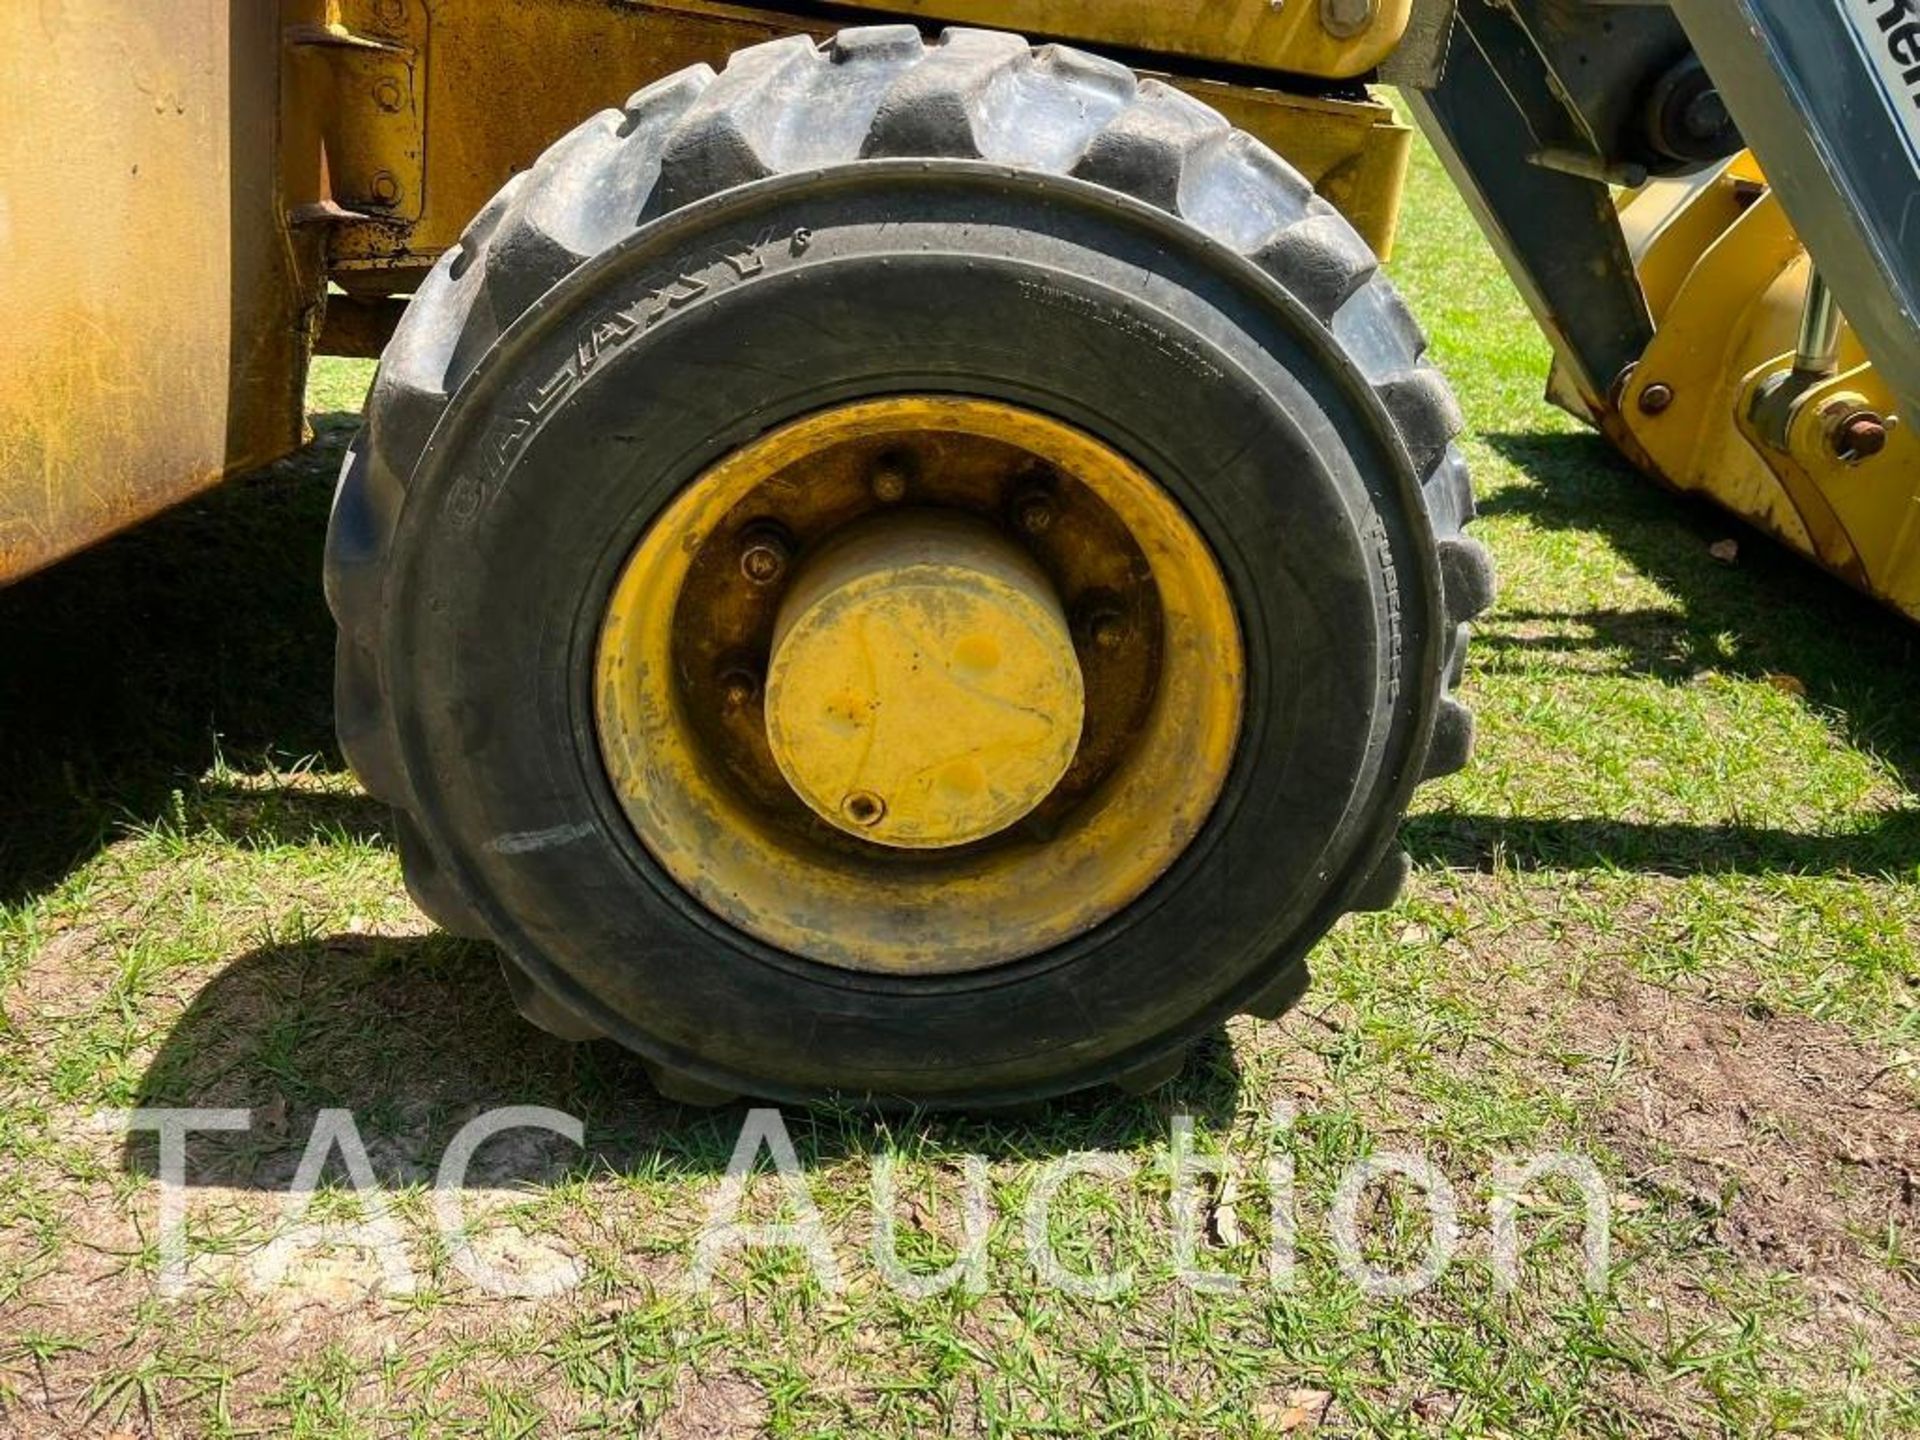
919	686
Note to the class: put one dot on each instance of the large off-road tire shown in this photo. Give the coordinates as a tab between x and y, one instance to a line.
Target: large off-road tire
820	226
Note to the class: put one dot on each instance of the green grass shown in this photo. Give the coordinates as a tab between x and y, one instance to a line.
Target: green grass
1668	920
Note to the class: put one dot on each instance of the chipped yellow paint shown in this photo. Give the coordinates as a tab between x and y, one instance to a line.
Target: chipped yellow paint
877	908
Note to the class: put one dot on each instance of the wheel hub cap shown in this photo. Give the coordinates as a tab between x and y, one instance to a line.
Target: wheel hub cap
924	691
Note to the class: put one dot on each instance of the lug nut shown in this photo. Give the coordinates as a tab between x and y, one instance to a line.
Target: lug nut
1705	117
764	554
739	688
890	482
1106	629
1033	512
1655	399
1861	436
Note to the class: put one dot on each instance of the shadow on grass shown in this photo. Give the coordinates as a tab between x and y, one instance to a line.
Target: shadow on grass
1770	613
415	1035
267	817
1463	841
131	668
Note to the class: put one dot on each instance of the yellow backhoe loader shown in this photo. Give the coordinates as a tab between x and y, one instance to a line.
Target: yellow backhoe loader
905	549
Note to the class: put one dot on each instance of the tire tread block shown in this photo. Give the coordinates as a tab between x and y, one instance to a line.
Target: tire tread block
1322	261
362	725
685	1089
1144	150
1387	883
1047	108
1286	990
1453	736
725	137
432	889
543	1010
1155	1074
934	109
1466	577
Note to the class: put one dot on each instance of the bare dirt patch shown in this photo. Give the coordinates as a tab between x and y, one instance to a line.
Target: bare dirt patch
714	1408
1798	1148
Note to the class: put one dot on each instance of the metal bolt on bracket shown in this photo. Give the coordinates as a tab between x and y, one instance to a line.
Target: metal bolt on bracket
864	808
739	687
1860	436
1343	19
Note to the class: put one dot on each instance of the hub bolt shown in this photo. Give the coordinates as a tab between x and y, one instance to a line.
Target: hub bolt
1861	436
890	482
1705	117
739	687
1106	628
1655	399
764	555
1033	512
1343	19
